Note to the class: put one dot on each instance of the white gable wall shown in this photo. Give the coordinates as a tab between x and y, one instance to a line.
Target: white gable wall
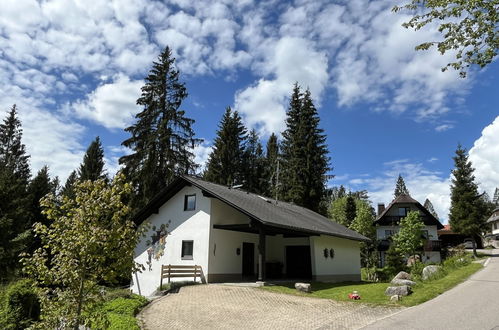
345	266
184	225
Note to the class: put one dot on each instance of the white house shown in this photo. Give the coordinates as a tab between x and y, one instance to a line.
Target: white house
231	233
388	223
493	221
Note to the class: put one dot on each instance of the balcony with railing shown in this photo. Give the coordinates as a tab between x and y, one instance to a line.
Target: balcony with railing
429	245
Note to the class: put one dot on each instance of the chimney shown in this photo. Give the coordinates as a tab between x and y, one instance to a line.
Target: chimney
381	208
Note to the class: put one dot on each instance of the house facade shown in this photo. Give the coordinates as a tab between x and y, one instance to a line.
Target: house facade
493	222
234	236
388	223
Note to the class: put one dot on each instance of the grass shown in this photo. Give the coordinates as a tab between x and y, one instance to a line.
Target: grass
374	293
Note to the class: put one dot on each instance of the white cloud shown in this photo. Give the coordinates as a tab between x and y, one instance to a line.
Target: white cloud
112	104
484	156
444	127
263	104
202	153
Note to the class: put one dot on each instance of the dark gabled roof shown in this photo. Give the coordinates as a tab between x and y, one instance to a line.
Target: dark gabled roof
406	199
266	211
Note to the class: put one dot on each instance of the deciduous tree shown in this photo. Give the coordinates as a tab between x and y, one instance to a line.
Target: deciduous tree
470	28
90	239
409	239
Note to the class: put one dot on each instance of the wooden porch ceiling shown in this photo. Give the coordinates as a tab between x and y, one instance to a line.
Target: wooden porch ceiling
268	230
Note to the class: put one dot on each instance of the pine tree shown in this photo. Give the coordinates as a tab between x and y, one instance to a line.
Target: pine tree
39	187
162	139
92	167
400	188
14	201
253	165
225	163
304	153
68	189
350	209
429	206
271	159
468	212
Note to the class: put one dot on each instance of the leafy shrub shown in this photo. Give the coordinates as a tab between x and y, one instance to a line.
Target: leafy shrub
457	261
111	294
417	270
20	305
119	313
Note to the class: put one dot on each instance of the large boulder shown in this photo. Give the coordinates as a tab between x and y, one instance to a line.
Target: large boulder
403	290
396	298
430	271
303	287
402	276
396	281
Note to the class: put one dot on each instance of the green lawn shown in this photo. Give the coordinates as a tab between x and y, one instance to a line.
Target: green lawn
374	293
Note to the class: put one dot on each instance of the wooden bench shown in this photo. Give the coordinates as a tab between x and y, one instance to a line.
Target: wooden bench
169	271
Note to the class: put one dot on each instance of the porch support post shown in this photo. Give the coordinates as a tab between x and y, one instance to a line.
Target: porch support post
261	253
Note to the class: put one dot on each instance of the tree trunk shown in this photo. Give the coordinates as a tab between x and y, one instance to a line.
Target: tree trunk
79	304
474	248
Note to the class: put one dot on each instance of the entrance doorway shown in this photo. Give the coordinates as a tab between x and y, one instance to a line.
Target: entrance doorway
298	262
248	259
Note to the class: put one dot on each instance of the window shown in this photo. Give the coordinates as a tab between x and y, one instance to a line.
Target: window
187	247
389	233
403	211
190	202
425	234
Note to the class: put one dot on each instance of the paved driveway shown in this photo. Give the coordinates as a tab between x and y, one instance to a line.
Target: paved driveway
228	307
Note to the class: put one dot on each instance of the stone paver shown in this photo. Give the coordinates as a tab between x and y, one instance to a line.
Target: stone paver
225	307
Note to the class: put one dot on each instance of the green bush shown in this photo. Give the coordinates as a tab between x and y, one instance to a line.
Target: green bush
173	286
111	294
20	305
417	270
119	313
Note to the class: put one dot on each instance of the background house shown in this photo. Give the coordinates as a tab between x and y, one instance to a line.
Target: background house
493	222
235	235
388	220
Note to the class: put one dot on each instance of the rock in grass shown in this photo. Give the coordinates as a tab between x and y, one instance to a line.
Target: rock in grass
403	290
403	282
395	297
303	287
430	271
403	276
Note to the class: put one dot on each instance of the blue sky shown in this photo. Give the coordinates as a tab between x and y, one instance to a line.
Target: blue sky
75	71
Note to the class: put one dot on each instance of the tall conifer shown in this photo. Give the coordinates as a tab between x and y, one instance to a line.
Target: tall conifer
225	163
14	201
68	188
162	139
429	206
468	212
254	165
271	159
400	188
304	153
92	167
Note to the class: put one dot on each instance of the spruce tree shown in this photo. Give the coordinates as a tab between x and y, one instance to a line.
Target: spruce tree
271	159
14	201
400	188
225	163
304	153
92	167
468	212
253	165
39	187
350	209
162	139
429	206
68	189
